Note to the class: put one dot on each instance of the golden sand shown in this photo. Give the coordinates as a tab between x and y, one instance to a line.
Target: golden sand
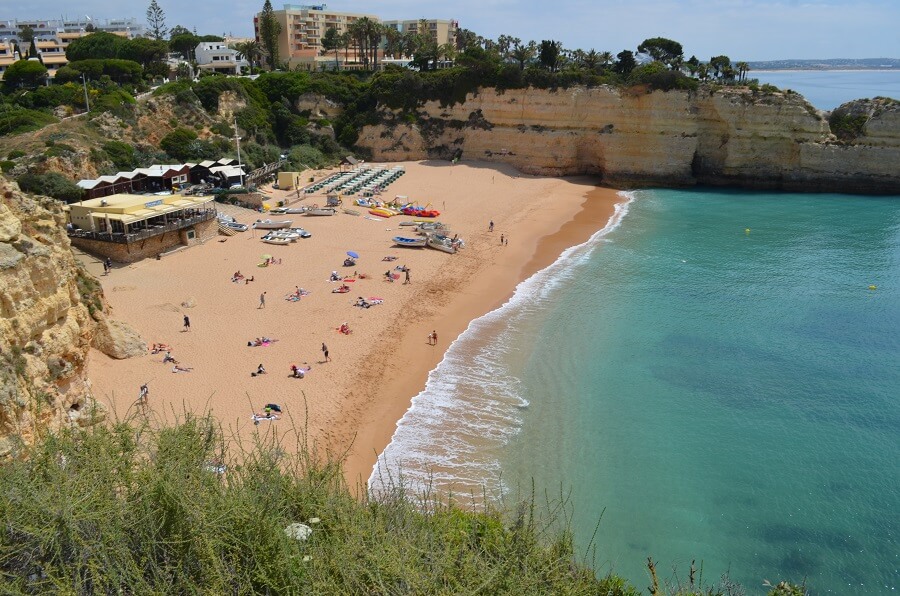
350	405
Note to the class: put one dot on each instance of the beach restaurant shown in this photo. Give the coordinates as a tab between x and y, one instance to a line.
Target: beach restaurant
127	228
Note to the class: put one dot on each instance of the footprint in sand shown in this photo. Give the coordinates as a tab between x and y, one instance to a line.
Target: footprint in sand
168	306
123	288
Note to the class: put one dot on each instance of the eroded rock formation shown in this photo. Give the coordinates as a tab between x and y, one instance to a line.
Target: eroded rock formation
734	137
49	308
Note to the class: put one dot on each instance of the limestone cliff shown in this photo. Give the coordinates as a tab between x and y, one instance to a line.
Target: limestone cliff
631	137
50	309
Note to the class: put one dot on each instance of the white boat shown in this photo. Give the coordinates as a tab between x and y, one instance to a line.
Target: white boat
238	227
321	211
287	234
409	242
268	224
289	210
439	242
275	240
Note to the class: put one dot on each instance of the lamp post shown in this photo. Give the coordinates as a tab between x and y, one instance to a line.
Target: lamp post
87	103
237	139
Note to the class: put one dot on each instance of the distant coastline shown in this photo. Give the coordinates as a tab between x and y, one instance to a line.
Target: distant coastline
887	64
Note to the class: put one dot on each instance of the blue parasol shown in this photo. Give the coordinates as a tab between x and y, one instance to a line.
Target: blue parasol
350	253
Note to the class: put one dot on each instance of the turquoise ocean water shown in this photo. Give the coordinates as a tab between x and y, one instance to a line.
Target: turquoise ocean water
717	395
827	89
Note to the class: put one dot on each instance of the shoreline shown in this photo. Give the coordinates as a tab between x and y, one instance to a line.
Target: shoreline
394	396
347	407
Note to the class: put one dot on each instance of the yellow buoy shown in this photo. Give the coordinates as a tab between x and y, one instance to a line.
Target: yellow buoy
746	230
873	287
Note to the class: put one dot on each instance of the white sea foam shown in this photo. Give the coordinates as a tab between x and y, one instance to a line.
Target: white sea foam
472	403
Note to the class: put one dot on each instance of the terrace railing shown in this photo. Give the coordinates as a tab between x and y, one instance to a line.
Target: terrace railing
150	232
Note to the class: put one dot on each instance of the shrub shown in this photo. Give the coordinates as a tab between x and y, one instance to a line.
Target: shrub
15	120
16	154
59	150
220	128
6	166
846	125
121	154
51	184
24	73
177	143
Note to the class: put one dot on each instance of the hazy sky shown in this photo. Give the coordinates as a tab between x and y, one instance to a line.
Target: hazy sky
741	29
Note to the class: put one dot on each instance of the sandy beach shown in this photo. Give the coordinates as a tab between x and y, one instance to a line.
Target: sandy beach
349	405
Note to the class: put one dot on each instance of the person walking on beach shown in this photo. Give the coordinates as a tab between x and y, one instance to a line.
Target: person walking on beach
325	352
501	239
105	268
262	301
142	396
187	323
491	226
406	271
506	241
108	263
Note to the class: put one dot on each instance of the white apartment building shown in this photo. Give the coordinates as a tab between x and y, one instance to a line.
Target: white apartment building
215	56
11	29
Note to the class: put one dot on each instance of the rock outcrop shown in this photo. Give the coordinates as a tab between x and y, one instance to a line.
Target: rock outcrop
630	137
48	305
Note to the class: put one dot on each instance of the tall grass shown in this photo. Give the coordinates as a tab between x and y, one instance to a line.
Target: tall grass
144	510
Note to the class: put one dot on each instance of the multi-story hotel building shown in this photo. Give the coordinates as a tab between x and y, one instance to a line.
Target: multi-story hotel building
302	29
441	31
304	26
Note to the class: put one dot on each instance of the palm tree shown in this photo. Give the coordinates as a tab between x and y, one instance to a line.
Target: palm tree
392	41
524	53
447	51
252	51
605	58
743	69
374	31
590	60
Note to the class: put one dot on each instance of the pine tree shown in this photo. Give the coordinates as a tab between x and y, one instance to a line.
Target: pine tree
156	20
269	28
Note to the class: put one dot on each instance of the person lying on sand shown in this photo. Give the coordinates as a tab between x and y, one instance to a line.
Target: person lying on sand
180	369
298	372
342	289
389	259
345	328
157	348
360	301
335	276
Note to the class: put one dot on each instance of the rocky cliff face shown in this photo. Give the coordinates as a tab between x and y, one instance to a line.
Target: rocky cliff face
50	312
632	137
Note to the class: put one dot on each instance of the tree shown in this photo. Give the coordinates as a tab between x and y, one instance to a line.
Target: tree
523	54
692	64
549	54
144	51
178	30
663	50
184	44
331	41
24	73
27	34
625	63
156	20
465	39
100	45
392	42
183	71
89	28
252	51
718	64
743	69
269	29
